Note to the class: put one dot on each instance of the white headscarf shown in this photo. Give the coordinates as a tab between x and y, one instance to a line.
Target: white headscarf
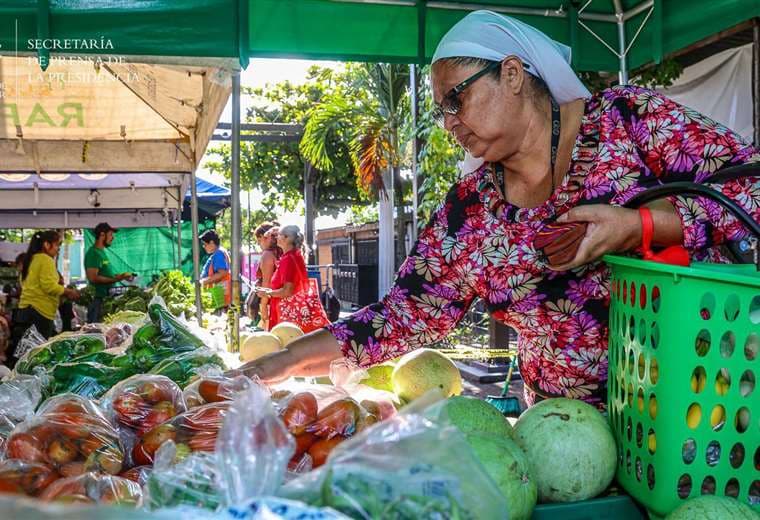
491	36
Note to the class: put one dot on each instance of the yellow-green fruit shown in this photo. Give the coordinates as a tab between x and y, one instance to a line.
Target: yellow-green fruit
423	370
379	377
287	332
259	344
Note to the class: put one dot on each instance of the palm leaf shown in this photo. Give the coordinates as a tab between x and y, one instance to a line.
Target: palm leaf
372	153
326	118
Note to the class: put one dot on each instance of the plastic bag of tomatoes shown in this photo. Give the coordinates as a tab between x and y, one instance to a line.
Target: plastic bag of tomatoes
214	388
94	488
69	434
25	478
142	402
192	431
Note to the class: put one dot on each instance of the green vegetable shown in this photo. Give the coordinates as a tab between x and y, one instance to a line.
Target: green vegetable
173	333
62	350
181	368
133	299
87	379
177	291
193	480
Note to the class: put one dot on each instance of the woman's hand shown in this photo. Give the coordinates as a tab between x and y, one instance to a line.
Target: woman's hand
263	291
71	294
610	229
270	369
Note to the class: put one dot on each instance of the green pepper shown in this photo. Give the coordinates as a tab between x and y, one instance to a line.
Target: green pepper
123	361
173	333
88	345
104	358
181	368
88	379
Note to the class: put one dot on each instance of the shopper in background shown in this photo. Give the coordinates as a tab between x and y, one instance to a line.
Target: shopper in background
41	289
100	272
266	236
216	272
292	297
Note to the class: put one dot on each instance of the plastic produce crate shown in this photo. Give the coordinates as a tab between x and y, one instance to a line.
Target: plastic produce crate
683	363
606	508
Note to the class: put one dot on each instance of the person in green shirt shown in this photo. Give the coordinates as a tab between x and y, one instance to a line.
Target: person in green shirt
41	287
100	272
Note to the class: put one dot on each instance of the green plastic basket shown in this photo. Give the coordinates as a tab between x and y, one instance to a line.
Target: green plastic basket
217	296
683	361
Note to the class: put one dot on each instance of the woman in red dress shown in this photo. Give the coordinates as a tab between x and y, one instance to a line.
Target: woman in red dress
292	298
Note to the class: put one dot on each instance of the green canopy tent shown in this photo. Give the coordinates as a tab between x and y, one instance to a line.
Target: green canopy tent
606	35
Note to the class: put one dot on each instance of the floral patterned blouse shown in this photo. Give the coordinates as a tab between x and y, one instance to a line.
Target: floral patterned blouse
478	245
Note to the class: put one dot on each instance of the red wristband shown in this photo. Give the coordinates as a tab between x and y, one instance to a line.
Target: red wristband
647	232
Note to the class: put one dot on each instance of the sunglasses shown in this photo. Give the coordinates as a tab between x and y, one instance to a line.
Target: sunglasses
451	104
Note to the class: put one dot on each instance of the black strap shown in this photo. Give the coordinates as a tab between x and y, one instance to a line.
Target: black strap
556	127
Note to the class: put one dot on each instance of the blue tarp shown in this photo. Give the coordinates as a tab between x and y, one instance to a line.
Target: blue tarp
212	199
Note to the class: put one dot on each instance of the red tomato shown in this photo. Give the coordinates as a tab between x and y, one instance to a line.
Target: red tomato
92	443
36	477
61	451
321	449
338	418
209	390
203	441
158	414
207	417
130	409
157	436
136	474
23	446
140	456
10	486
154	392
304	442
300	412
72	469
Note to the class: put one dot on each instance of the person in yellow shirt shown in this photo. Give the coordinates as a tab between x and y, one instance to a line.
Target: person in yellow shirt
41	287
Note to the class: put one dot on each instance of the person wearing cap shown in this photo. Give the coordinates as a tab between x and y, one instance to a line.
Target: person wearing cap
549	169
216	270
100	272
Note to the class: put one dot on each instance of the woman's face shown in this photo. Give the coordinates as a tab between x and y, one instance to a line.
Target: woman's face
284	241
493	115
51	248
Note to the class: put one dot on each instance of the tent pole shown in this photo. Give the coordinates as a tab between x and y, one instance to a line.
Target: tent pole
196	247
756	78
620	15
179	241
415	149
236	223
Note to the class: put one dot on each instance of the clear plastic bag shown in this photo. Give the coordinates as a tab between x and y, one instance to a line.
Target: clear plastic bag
182	479
25	478
31	339
69	434
63	348
119	335
143	401
253	447
94	488
20	395
403	468
184	367
193	431
213	388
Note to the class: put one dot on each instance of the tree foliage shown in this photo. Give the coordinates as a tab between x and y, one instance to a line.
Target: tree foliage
277	169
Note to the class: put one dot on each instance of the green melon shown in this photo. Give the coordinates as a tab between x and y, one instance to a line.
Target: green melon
423	370
379	377
508	466
471	415
709	507
570	449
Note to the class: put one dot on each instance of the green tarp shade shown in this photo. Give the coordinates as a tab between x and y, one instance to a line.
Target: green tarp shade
151	251
175	28
389	31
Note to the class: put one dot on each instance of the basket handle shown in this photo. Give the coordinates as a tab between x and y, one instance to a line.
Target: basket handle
691	188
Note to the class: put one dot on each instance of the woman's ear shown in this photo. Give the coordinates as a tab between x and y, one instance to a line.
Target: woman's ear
513	74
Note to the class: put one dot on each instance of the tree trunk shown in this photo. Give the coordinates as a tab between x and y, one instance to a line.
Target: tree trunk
310	211
386	251
400	213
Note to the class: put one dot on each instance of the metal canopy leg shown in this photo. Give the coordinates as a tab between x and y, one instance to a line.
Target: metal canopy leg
234	314
196	247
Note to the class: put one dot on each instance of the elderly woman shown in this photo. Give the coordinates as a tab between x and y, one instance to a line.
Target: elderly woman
553	158
291	297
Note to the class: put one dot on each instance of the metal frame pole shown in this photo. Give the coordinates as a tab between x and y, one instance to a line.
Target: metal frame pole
620	15
756	79
415	149
196	247
179	239
236	220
